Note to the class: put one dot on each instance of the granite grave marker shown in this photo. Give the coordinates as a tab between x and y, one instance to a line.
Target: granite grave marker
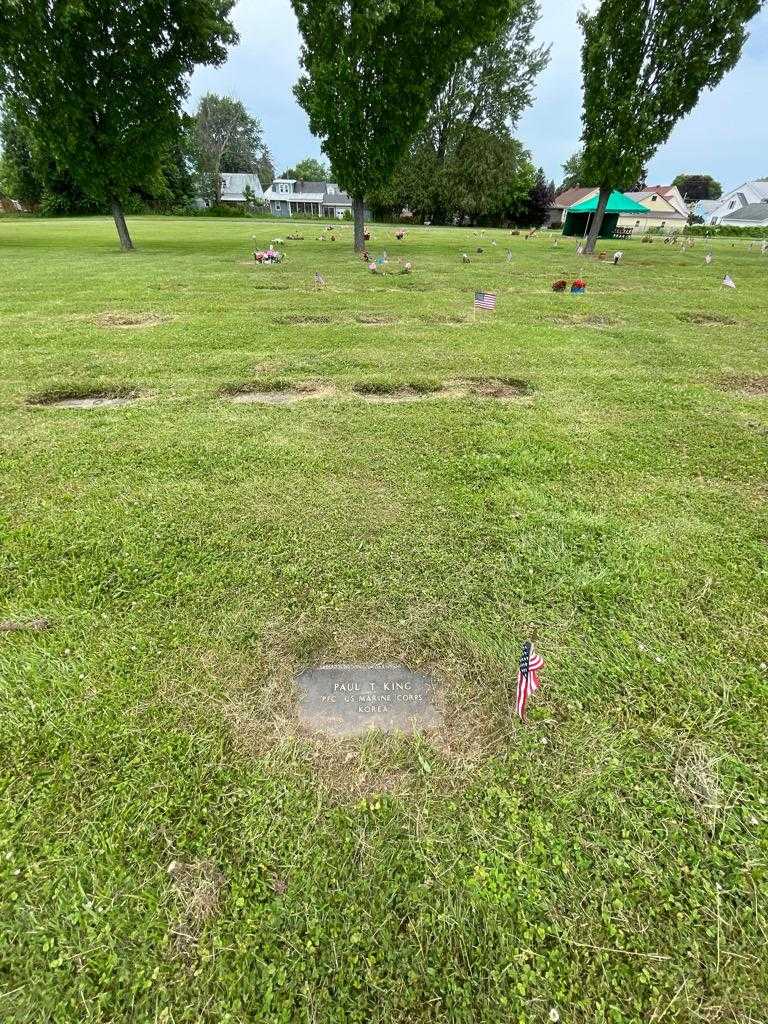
347	700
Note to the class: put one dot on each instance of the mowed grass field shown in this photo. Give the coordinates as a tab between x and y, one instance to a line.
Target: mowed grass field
172	848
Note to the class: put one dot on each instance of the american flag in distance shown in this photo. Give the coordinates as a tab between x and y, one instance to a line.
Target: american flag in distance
485	300
527	676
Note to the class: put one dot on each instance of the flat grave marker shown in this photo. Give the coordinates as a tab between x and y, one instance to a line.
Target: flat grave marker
349	700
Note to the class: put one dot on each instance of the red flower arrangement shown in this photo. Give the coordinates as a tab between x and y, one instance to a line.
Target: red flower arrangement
578	286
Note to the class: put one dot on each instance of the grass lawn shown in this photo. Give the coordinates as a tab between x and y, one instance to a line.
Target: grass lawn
172	848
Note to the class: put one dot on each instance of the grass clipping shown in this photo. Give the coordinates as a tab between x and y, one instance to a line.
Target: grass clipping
198	886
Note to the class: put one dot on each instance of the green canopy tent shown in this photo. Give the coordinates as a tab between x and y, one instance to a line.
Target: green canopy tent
579	216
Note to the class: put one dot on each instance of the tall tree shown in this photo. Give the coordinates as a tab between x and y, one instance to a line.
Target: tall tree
573	172
576	177
644	67
29	173
539	200
694	187
493	86
308	169
100	84
226	139
487	91
372	72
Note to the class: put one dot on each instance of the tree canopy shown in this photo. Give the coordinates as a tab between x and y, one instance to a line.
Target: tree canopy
308	169
694	187
373	70
573	172
226	138
99	85
29	174
493	86
644	67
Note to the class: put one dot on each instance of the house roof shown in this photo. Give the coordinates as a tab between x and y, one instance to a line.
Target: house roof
755	213
617	203
569	197
309	186
235	183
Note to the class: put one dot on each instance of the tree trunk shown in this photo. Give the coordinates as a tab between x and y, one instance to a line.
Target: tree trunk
597	220
122	228
359	215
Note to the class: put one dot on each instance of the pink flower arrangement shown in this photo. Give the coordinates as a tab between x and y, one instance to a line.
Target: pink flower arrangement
268	256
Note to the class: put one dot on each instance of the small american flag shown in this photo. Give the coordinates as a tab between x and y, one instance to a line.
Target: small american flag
485	300
527	676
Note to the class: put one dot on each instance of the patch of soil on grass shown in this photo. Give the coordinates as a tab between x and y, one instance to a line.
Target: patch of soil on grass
198	886
374	318
28	625
596	321
127	320
706	319
752	386
599	321
446	318
268	287
379	392
299	319
84	399
276	392
503	388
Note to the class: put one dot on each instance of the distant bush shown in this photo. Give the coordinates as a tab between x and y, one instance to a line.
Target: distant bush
725	231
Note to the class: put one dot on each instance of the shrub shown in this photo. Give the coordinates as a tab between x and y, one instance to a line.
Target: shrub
726	231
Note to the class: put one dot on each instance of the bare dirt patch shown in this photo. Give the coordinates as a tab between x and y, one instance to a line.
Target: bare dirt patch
24	625
380	392
276	392
706	319
198	886
446	318
84	399
306	319
503	388
752	386
374	319
129	320
596	321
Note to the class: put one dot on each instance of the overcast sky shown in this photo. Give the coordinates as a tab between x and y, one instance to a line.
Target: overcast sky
726	135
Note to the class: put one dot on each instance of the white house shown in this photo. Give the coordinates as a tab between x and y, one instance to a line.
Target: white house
748	194
289	197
